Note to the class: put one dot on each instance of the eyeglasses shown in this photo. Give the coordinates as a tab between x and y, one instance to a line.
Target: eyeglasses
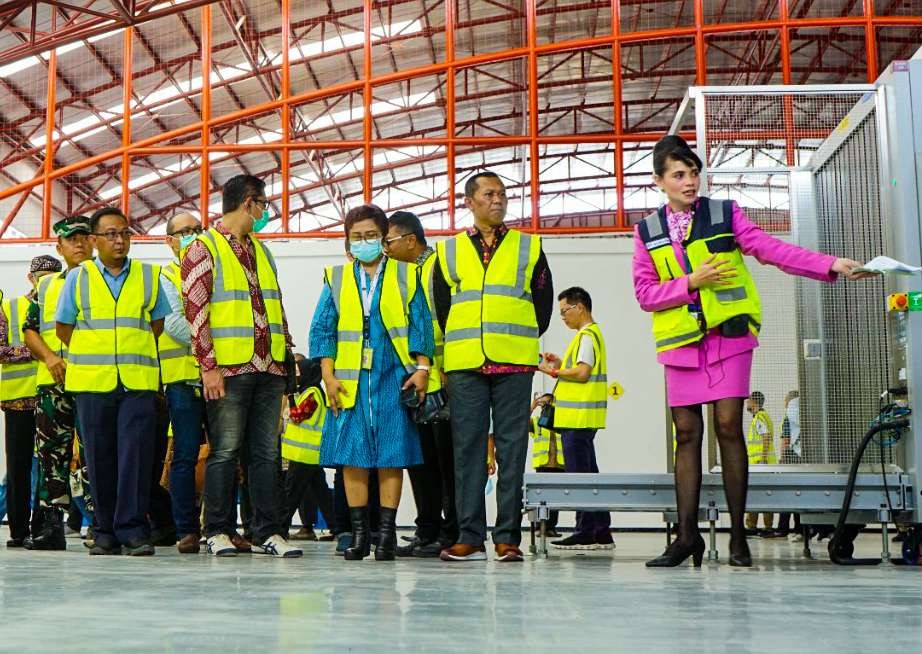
187	231
264	203
113	235
388	241
369	237
563	312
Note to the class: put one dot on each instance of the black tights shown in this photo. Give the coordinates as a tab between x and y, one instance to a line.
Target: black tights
689	428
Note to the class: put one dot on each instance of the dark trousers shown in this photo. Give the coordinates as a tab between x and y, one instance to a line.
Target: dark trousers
161	506
187	409
579	456
554	516
247	416
118	431
433	485
20	445
307	482
474	396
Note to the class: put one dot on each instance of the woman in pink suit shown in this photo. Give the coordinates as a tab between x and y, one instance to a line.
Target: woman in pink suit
689	272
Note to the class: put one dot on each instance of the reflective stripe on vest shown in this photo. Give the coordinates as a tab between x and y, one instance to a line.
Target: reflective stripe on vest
398	283
301	441
541	445
231	309
583	405
112	341
176	361
492	316
754	446
49	290
711	232
17	380
435	377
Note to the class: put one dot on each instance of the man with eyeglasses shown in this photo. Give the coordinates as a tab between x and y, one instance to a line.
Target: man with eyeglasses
110	314
433	482
240	339
182	383
55	421
494	297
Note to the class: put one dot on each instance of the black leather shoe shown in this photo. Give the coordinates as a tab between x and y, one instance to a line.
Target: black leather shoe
139	547
740	556
99	550
163	537
678	552
405	551
387	535
361	534
14	542
51	536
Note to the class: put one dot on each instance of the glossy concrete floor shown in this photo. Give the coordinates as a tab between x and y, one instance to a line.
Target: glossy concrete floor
597	602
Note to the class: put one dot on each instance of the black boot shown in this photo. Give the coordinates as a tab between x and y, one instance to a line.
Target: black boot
361	534
387	535
51	536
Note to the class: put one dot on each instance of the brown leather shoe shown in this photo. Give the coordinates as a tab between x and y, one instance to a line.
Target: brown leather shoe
464	552
508	553
189	544
241	543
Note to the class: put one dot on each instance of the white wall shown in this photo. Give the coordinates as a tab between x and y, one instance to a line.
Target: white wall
635	440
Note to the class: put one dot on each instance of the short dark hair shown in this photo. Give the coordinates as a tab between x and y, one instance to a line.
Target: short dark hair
470	186
576	295
366	212
237	189
758	397
675	148
409	223
105	211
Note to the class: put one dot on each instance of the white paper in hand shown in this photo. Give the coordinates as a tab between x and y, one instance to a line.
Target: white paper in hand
886	265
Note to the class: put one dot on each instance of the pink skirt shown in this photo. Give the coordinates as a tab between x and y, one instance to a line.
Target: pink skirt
709	382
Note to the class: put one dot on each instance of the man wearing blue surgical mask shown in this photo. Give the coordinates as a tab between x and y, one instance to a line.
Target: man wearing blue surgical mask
182	385
240	338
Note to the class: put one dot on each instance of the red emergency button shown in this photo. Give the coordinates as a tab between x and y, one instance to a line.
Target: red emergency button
901	301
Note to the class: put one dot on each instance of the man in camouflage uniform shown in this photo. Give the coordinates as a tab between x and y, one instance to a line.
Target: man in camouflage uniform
55	416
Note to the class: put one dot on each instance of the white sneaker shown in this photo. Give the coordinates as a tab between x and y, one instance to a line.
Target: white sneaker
221	545
796	538
277	546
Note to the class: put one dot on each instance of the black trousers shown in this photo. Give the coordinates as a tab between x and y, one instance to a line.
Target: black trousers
20	445
307	483
161	504
433	485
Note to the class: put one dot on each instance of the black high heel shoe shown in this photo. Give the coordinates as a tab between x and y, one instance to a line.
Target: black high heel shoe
740	556
676	554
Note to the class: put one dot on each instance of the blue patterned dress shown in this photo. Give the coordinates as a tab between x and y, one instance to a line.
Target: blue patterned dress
377	432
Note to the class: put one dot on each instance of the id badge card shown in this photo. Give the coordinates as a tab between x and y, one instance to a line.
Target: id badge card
367	354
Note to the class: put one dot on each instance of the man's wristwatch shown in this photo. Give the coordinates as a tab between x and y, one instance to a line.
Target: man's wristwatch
420	366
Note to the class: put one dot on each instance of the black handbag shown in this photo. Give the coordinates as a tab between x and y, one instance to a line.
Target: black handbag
546	418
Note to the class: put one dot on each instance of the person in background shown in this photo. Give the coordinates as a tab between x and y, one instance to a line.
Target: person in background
791	453
372	332
580	408
109	315
181	376
546	454
240	339
494	296
18	401
760	444
55	415
434	481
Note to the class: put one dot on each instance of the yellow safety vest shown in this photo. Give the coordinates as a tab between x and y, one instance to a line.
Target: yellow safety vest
399	282
301	441
754	439
112	340
541	448
435	377
492	314
176	361
711	232
583	405
49	290
231	317
17	380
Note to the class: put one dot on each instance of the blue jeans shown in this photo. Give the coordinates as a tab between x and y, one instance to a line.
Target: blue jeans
246	417
187	410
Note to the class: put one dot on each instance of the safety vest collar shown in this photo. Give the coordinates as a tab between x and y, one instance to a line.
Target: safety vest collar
709	217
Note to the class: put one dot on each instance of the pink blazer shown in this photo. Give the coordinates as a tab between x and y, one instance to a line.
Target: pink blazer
653	295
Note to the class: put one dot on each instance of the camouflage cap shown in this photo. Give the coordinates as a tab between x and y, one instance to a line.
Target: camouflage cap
72	225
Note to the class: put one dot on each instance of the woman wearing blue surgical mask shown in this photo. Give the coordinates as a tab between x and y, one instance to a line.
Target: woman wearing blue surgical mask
372	331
